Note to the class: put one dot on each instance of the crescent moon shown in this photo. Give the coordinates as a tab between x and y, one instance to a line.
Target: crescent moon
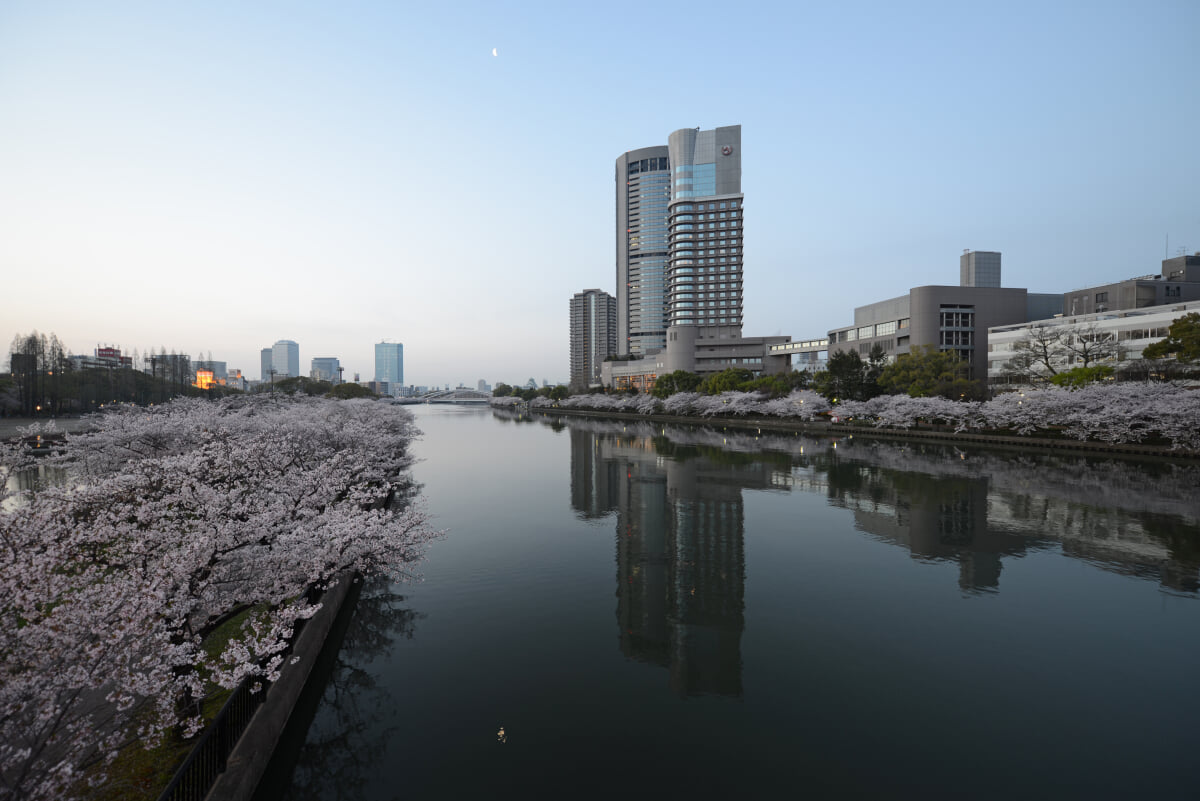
494	51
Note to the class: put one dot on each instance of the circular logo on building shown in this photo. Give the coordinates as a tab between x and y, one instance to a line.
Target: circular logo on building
726	150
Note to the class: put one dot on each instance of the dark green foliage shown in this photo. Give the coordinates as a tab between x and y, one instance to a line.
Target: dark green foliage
678	381
1082	376
347	391
732	379
502	391
844	378
1182	342
293	384
928	372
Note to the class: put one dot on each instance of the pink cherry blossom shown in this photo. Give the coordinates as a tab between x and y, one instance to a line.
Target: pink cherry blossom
172	518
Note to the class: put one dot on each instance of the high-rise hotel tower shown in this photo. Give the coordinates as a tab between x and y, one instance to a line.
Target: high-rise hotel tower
679	237
704	229
679	263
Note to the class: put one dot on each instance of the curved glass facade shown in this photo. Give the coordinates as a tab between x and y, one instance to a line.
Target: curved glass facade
645	200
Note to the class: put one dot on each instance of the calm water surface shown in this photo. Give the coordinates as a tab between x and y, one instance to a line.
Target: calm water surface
707	614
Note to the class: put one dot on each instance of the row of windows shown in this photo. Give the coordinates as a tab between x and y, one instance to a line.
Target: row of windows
701	226
714	206
957	319
1143	333
685	239
711	216
682	320
645	165
957	339
681	262
715	252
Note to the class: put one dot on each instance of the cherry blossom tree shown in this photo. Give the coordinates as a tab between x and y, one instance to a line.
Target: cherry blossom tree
174	518
1116	413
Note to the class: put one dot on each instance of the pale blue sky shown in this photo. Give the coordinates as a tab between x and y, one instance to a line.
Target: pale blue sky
217	176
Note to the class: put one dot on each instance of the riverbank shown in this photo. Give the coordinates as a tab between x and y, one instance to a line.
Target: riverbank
10	427
925	432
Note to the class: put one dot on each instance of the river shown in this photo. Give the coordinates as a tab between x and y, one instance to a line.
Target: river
698	613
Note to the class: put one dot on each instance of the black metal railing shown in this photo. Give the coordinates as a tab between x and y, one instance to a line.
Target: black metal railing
207	760
209	756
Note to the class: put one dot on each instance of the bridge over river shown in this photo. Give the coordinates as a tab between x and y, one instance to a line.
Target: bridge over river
460	396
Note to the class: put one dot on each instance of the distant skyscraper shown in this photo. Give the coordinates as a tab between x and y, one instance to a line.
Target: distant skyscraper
643	188
326	368
593	335
266	355
979	268
389	363
285	358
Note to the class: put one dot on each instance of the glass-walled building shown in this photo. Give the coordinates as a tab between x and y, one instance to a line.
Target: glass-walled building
389	363
643	188
326	368
285	358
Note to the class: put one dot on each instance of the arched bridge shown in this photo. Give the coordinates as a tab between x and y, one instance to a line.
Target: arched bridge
453	396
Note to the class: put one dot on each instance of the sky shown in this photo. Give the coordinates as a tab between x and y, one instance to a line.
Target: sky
213	177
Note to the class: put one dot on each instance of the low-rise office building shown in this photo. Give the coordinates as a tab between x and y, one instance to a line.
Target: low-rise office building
1131	330
947	317
703	350
1178	282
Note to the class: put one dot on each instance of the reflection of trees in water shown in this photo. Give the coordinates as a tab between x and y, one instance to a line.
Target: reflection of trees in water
347	739
972	505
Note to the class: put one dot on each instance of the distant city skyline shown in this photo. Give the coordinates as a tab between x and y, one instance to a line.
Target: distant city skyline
336	175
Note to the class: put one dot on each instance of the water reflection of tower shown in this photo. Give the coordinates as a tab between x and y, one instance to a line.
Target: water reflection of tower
594	480
681	563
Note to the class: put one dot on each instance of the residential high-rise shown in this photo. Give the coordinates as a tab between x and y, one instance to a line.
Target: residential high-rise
389	363
704	265
643	189
326	368
593	335
285	358
979	268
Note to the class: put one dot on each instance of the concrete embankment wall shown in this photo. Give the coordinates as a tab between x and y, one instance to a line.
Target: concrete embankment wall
254	768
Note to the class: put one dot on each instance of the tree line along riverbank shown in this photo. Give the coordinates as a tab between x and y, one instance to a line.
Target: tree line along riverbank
1141	419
